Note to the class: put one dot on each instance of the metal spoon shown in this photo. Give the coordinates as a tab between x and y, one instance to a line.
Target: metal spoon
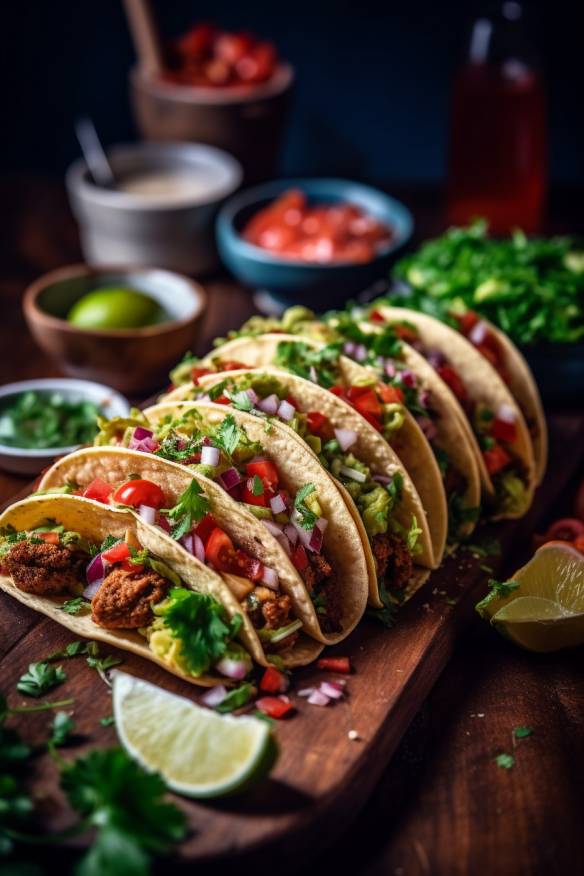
94	153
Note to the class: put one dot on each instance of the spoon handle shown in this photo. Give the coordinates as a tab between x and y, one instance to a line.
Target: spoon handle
145	35
93	153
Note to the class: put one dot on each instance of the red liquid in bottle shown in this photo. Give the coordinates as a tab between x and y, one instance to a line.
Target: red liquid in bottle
498	146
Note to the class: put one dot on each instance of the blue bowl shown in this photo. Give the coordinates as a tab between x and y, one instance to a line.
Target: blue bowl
294	282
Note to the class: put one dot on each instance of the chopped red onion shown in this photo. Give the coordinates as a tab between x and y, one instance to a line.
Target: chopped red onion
198	548
91	589
187	543
273	528
479	332
424	398
291	533
306	691
428	427
230	478
210	456
147	514
163	523
277	504
360	353
352	473
284	544
214	695
270	578
349	348
331	690
140	433
389	368
96	569
253	396
317	698
382	479
312	374
286	411
315	543
408	378
236	669
322	523
146	445
506	413
346	438
269	405
304	534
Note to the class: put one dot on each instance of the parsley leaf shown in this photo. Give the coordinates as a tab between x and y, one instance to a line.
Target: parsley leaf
498	590
201	625
125	804
40	678
191	507
75	606
236	698
307	517
505	761
216	391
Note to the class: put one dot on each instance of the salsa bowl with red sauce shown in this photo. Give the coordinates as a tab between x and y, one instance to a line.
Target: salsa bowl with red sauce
311	241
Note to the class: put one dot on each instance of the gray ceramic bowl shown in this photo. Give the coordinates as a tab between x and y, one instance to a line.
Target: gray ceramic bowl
122	228
30	462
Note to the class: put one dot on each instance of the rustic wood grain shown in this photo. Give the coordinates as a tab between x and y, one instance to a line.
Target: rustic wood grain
442	806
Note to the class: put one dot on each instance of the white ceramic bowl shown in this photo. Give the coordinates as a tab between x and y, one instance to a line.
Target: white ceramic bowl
30	462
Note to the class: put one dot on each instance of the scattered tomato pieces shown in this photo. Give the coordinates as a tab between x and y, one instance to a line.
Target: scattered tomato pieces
275	707
335	664
274	681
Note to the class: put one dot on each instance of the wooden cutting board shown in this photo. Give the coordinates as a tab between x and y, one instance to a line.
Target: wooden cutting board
322	777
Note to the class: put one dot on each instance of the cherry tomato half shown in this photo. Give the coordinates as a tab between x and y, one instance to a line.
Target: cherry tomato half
140	492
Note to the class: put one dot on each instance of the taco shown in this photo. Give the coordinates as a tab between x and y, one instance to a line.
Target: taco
325	574
106	575
396	400
500	436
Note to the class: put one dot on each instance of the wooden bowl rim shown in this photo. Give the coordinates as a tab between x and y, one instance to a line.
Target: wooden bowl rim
34	313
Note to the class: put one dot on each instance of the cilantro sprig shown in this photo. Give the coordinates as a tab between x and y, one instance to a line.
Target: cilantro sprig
191	507
306	517
40	678
301	359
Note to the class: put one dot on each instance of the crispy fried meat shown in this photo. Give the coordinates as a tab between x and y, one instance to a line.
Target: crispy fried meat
125	598
394	562
44	569
320	578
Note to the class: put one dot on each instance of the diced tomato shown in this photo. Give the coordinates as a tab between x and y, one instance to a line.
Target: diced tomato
292	401
140	492
338	391
247	494
219	550
502	430
49	537
274	681
299	558
488	353
222	400
231	47
99	490
496	459
376	316
230	365
247	567
390	394
199	372
274	707
317	423
467	321
335	664
117	554
365	401
266	471
406	333
198	39
453	381
205	527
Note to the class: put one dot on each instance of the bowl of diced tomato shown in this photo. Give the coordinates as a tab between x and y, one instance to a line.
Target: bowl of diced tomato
313	241
226	89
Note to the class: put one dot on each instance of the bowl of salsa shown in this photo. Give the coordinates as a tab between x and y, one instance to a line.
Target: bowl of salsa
229	89
315	241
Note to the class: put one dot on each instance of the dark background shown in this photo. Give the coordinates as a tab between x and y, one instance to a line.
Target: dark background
373	79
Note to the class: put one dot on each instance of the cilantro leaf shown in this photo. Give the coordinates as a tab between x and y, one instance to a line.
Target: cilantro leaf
522	732
505	761
240	400
307	517
201	625
107	721
78	605
178	449
257	487
497	590
124	802
236	698
228	435
61	729
40	678
191	507
320	366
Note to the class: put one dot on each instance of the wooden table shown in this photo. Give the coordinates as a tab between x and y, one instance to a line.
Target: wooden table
442	806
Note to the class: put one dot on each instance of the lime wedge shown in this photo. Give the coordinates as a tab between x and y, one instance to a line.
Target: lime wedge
542	606
197	752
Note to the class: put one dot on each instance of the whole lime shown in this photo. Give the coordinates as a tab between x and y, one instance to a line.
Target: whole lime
114	308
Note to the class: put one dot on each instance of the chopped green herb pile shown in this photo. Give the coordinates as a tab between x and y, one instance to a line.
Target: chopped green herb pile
505	761
34	420
532	288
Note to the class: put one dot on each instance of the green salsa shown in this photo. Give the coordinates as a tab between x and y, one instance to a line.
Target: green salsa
39	421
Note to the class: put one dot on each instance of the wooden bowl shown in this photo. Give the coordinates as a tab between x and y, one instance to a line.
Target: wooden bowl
248	123
130	360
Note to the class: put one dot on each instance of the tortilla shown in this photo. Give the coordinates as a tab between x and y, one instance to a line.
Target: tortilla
94	522
483	385
115	464
409	443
